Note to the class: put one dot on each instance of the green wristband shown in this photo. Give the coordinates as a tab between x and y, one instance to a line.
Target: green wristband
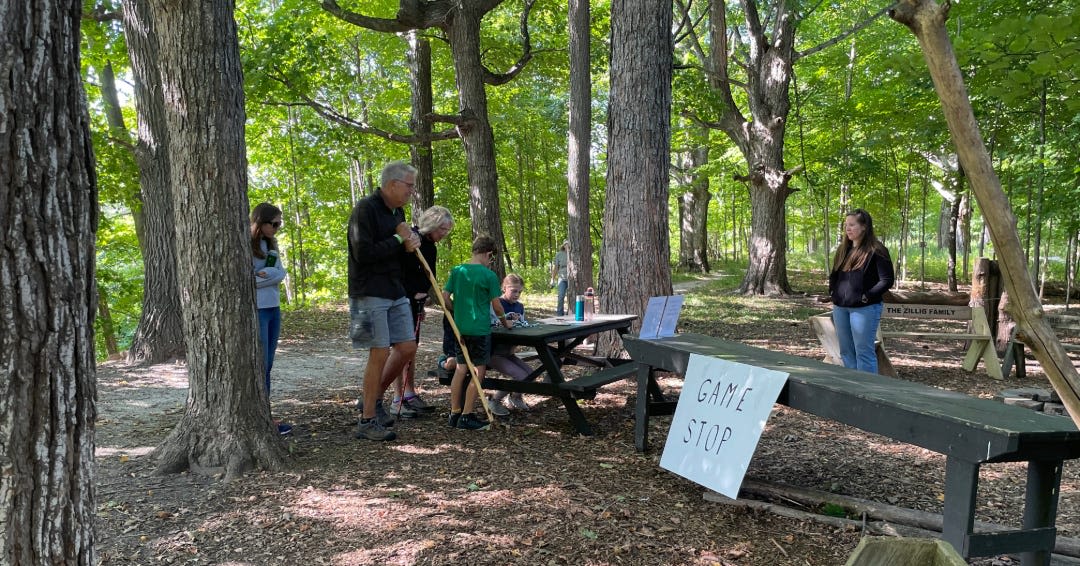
400	240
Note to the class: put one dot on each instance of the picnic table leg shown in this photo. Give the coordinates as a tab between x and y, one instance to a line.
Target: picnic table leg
641	407
1040	505
551	363
961	485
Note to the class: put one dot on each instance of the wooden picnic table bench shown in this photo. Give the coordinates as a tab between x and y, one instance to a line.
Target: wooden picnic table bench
969	431
554	341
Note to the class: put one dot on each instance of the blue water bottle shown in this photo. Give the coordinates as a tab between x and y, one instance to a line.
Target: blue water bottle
579	308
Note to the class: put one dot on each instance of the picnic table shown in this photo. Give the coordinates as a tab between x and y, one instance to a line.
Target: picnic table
969	431
554	340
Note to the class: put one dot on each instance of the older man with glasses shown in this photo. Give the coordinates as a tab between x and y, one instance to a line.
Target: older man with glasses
380	317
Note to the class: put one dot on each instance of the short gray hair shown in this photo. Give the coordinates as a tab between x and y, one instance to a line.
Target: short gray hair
432	218
395	170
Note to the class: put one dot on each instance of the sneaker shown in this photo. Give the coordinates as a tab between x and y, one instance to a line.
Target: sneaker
381	415
469	421
284	429
453	420
497	408
372	430
417	404
518	402
401	410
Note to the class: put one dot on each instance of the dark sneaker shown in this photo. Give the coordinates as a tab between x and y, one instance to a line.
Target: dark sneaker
284	429
470	422
417	404
453	420
382	416
402	410
372	430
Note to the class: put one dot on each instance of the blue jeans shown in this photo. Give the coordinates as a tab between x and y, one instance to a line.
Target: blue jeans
563	285
856	330
269	329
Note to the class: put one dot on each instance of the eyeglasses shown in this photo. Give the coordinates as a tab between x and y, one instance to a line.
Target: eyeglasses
406	183
276	224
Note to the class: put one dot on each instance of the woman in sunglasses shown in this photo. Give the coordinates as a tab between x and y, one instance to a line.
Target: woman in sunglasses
269	273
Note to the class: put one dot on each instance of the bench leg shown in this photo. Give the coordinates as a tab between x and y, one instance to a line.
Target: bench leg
1040	505
576	416
961	485
641	408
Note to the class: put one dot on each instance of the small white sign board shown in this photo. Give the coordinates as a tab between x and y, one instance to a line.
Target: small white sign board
718	421
661	317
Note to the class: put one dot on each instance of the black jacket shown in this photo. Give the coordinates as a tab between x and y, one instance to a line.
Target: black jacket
864	286
374	253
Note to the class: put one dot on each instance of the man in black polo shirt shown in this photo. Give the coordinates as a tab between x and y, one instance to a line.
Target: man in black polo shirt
379	312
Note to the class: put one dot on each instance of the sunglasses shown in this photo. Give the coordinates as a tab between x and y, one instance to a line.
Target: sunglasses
276	224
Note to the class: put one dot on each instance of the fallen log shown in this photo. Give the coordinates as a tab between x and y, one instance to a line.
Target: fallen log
909	518
927	298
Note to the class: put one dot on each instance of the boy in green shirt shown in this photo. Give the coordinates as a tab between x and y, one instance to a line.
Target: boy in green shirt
471	291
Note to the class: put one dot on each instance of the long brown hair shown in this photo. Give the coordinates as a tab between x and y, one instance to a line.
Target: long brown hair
849	257
263	213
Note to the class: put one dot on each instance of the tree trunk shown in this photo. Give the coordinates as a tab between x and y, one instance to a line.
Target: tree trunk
579	148
927	21
227	425
160	333
950	229
767	272
463	31
421	153
48	201
635	253
694	210
760	136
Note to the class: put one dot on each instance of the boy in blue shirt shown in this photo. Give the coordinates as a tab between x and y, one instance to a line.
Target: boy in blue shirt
471	291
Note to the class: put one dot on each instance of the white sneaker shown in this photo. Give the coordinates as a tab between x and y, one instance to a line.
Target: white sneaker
497	408
517	402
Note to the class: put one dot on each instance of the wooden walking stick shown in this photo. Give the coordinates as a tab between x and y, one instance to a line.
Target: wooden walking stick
453	325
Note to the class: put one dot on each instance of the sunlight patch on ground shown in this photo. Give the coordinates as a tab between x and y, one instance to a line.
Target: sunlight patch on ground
427	451
108	452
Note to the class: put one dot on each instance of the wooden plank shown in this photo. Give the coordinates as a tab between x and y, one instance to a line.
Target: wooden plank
942	335
593	381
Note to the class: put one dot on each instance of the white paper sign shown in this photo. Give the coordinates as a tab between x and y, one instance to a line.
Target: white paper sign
661	317
721	413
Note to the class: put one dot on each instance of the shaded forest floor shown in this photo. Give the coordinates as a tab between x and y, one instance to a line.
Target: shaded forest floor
526	493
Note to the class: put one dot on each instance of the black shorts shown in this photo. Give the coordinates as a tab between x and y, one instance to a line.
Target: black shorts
479	350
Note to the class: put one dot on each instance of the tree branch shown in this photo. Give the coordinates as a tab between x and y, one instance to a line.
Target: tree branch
857	27
333	115
526	55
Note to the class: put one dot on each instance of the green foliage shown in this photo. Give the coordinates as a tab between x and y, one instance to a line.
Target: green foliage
874	145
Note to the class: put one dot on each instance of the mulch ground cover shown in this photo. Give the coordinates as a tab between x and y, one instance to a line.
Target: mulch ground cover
528	492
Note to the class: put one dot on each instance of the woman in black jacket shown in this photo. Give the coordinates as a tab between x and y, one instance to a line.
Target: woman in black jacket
862	271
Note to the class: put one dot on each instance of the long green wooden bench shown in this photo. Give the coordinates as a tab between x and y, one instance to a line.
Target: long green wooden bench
969	431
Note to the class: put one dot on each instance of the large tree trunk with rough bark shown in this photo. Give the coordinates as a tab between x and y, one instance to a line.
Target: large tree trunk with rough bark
580	265
463	31
422	105
635	253
160	333
226	426
48	219
926	19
